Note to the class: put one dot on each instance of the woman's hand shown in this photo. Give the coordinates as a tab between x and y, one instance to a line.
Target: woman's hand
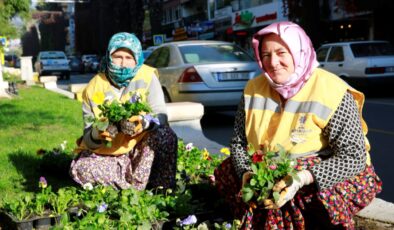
287	188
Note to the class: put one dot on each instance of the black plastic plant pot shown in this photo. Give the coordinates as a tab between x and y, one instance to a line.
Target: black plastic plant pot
8	221
42	223
56	220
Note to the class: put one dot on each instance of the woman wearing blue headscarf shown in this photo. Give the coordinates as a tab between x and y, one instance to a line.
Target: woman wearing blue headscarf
145	157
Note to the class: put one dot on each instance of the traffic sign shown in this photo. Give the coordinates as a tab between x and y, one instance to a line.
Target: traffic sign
158	39
3	41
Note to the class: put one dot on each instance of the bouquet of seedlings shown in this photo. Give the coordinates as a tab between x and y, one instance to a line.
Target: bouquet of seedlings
124	117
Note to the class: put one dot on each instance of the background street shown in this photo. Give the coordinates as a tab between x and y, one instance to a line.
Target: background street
378	113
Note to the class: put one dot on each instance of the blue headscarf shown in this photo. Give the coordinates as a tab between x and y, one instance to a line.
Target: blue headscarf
121	76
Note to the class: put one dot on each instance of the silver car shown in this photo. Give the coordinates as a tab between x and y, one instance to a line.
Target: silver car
52	62
213	73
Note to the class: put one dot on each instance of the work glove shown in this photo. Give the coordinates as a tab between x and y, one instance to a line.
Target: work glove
102	135
287	188
133	126
137	124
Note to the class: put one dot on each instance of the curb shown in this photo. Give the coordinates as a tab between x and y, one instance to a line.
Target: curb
379	212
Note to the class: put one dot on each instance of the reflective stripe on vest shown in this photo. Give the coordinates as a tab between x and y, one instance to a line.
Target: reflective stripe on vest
261	103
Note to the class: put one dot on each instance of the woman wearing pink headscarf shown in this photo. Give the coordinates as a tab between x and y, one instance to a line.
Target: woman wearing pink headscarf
316	117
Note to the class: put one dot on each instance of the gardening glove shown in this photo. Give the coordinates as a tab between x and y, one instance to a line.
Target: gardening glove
100	135
137	127
287	188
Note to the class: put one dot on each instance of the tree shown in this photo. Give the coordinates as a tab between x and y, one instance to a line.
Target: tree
155	15
10	9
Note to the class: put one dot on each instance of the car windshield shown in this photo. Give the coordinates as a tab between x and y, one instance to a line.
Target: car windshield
372	49
207	53
52	56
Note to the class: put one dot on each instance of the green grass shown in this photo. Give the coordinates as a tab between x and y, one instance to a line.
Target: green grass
35	119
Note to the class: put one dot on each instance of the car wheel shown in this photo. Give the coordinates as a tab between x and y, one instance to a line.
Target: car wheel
167	98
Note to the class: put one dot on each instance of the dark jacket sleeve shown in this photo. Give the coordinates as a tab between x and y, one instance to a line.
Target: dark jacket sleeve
346	139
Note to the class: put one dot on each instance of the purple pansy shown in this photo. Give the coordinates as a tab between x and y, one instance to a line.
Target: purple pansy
43	182
102	207
135	98
150	118
191	219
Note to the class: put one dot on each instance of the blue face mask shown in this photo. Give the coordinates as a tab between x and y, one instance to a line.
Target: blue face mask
121	76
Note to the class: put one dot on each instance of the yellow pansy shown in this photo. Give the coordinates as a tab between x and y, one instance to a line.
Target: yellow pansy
225	151
98	98
205	154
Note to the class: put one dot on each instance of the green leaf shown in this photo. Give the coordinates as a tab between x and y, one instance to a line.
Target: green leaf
101	125
253	182
276	196
247	194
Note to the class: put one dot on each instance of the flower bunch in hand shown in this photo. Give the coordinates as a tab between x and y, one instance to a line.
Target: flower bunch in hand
115	116
268	167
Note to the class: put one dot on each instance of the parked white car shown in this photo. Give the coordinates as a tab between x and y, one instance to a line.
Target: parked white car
358	60
52	62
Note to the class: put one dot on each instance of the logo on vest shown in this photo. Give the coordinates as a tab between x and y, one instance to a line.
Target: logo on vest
299	133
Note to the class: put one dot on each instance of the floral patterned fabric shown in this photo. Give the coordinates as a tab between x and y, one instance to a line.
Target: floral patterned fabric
331	208
152	163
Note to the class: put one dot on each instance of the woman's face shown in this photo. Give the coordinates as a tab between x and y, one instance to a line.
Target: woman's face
276	58
124	58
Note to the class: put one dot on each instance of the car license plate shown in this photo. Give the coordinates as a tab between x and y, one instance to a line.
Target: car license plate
232	76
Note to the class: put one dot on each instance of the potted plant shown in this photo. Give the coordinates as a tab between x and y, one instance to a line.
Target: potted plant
17	212
116	116
268	167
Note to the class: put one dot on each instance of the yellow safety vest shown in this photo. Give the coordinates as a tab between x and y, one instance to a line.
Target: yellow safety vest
297	125
121	144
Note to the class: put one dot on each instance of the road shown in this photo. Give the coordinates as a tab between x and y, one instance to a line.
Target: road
378	112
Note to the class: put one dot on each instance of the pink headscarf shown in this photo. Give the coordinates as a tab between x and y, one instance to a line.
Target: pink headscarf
301	49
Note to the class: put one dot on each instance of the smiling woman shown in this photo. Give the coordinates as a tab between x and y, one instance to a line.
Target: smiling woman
316	118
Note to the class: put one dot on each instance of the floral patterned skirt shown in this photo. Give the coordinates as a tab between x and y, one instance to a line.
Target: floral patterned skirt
152	163
332	208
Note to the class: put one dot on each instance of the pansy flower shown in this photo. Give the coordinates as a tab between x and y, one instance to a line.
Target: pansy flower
256	158
225	151
205	155
98	98
189	147
191	219
102	207
43	182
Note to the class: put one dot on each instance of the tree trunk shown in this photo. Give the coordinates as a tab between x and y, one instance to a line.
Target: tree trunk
155	15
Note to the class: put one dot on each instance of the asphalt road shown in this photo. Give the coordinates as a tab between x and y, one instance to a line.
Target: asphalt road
378	112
